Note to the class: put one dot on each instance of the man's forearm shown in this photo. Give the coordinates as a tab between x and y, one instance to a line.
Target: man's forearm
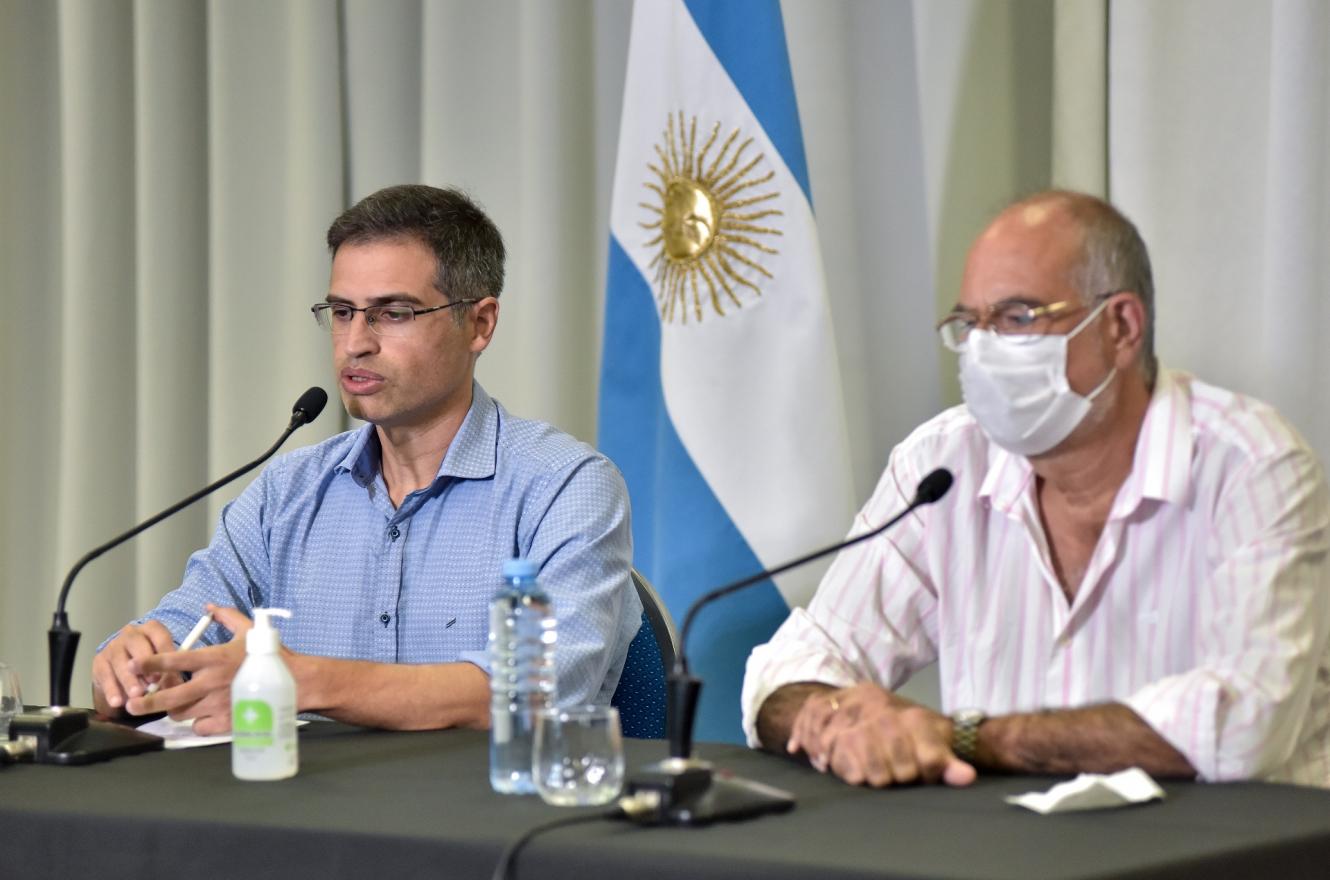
390	695
1094	739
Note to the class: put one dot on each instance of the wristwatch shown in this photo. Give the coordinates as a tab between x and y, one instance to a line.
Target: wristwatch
965	732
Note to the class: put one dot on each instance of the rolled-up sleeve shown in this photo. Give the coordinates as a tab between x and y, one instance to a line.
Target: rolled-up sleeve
1260	630
872	618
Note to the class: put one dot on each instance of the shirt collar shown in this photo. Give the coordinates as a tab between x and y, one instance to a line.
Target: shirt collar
362	459
470	456
472	452
1008	477
1161	466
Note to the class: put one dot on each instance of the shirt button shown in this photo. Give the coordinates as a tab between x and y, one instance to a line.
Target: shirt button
394	533
385	618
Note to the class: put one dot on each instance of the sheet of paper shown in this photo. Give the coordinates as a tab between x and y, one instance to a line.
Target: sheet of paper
1092	791
180	734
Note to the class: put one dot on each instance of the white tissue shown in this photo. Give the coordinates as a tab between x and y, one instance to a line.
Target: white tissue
1092	791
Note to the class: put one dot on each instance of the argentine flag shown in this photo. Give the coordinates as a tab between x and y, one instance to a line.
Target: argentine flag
720	396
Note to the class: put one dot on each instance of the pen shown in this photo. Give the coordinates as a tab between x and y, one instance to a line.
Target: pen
189	641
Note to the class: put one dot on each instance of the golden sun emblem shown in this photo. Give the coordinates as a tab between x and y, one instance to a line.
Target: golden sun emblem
708	242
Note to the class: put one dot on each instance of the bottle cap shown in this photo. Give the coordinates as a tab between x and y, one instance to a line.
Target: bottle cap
523	568
263	638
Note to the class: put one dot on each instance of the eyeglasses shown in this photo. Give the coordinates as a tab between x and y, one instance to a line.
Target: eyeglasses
1018	320
389	320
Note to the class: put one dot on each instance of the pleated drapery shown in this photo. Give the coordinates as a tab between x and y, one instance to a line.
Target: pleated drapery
168	169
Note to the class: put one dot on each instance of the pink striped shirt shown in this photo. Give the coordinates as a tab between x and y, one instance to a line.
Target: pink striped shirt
1205	605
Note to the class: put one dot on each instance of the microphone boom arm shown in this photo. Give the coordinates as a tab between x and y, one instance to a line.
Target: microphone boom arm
62	640
931	488
149	523
684	790
681	662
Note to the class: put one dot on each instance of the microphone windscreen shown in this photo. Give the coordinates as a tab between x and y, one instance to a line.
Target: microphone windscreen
933	486
310	404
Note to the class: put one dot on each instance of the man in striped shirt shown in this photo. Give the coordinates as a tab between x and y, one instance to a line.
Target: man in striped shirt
1130	569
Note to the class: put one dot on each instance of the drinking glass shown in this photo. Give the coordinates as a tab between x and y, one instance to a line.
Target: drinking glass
578	756
11	699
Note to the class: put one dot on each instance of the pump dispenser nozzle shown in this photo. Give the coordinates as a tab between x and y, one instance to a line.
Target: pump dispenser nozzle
263	638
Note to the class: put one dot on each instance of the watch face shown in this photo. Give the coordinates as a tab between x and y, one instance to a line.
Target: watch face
969	716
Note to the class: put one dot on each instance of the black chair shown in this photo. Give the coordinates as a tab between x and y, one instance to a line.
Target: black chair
640	696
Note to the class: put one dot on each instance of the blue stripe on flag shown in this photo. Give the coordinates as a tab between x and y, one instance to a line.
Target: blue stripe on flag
683	540
748	39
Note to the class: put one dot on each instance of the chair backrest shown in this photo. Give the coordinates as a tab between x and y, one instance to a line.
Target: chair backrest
662	624
640	696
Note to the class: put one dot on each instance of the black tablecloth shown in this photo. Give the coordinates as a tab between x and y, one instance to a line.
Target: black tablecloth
407	805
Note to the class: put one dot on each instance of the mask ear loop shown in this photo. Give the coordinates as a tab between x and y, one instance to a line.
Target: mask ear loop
1081	326
1102	385
1087	319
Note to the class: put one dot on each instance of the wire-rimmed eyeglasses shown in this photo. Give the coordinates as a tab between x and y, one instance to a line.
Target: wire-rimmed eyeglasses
1014	318
395	319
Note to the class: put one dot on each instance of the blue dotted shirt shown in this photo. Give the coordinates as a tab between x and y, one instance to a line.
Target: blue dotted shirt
317	534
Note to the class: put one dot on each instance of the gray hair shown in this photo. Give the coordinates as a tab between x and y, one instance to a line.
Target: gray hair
1113	259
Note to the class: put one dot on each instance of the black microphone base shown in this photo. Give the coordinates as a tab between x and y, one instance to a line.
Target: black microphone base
692	792
61	735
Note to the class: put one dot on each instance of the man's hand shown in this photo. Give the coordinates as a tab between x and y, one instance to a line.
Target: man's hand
114	681
867	735
206	697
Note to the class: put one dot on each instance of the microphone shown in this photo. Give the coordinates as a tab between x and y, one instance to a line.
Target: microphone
307	409
682	790
62	735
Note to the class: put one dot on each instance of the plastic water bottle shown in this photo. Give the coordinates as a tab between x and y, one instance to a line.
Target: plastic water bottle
521	650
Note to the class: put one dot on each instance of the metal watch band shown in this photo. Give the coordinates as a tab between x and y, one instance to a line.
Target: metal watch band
965	733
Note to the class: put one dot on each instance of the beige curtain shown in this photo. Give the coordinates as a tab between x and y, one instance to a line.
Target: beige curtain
168	167
1220	148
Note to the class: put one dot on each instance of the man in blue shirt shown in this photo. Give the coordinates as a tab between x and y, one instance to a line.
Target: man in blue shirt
386	542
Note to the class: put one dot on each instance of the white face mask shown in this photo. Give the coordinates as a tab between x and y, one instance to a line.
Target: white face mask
1017	389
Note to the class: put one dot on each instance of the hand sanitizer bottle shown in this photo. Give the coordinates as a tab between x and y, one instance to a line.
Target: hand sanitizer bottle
263	706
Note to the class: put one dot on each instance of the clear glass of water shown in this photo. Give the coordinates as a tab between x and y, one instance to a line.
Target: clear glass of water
11	699
578	756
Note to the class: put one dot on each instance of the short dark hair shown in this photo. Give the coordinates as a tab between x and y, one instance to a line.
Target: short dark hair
1113	258
468	249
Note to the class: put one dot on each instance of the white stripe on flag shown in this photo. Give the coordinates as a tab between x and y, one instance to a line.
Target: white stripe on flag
754	394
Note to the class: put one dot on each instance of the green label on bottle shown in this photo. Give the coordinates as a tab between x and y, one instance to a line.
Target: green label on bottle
251	724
